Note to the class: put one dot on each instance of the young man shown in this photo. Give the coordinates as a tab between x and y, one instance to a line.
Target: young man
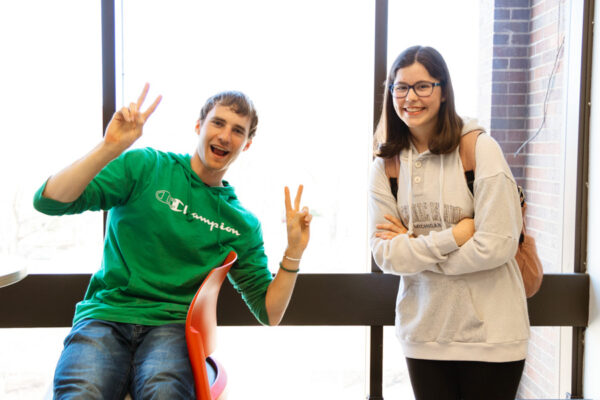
171	219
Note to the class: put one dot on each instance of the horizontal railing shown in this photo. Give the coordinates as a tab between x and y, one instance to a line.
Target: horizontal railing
318	299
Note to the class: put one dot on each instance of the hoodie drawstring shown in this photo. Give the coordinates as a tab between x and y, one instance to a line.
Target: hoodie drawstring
188	216
219	200
441	185
410	215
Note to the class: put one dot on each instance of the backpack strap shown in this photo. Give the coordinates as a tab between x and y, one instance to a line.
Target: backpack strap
467	156
391	171
391	166
466	150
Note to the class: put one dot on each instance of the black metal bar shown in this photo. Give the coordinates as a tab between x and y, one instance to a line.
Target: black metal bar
108	62
109	96
318	300
584	134
581	212
376	363
380	70
375	372
577	363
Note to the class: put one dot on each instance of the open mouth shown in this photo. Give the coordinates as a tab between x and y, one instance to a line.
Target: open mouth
219	152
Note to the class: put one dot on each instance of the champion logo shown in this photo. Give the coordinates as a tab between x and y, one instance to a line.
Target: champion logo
177	205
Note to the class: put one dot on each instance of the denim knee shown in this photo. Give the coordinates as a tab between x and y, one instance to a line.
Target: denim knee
161	366
94	363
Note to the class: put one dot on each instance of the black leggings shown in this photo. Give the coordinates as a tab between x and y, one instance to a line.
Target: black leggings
464	380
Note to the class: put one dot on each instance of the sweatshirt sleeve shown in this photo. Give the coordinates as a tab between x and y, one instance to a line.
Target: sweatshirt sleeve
498	217
251	276
402	255
113	186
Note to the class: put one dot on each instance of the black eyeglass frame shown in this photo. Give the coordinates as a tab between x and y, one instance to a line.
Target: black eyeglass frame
433	86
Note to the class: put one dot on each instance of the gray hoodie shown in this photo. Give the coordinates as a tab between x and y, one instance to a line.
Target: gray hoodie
454	303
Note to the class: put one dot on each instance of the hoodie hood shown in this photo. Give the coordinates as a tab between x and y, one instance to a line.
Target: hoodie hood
185	160
470	125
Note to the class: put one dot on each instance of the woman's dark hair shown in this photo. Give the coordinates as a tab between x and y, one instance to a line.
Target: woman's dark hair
392	134
238	102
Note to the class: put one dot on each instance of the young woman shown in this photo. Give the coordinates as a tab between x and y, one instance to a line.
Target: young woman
461	312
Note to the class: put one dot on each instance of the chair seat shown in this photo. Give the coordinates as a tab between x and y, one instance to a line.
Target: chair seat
211	370
216	377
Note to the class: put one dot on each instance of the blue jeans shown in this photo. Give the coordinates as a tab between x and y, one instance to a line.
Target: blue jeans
105	360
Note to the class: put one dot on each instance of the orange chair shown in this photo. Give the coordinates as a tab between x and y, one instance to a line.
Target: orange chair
201	333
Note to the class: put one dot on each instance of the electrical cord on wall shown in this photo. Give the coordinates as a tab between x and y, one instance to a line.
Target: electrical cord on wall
548	89
550	80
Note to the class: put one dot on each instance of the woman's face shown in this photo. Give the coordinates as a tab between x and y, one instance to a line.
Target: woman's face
420	114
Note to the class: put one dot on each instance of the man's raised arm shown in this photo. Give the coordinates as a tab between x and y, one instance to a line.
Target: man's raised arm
123	130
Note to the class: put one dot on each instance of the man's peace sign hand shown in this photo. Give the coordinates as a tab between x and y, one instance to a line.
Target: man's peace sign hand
298	224
127	124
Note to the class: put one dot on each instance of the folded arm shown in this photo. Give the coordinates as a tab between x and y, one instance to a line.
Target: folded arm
497	228
393	250
498	218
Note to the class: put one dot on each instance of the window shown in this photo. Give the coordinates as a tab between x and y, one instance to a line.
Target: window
308	67
51	85
311	84
412	23
302	362
52	103
27	362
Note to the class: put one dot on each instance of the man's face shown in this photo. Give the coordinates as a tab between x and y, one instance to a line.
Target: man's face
223	135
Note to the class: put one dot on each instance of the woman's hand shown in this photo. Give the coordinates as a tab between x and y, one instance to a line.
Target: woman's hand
463	231
126	125
298	224
392	229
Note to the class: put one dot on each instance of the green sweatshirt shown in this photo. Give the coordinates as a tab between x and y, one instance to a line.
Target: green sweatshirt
165	231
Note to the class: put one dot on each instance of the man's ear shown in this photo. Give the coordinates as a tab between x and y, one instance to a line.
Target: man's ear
247	146
198	125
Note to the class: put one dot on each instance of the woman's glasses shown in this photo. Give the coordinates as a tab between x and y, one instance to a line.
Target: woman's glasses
421	89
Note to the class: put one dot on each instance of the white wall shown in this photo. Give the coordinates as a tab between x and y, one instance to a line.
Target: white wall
591	383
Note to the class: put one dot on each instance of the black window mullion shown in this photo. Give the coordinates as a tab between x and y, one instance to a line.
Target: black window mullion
375	372
581	214
108	68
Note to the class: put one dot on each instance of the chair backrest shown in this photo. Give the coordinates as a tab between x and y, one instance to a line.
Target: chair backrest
201	331
202	315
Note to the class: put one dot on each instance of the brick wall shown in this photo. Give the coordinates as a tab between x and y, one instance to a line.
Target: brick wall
527	36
